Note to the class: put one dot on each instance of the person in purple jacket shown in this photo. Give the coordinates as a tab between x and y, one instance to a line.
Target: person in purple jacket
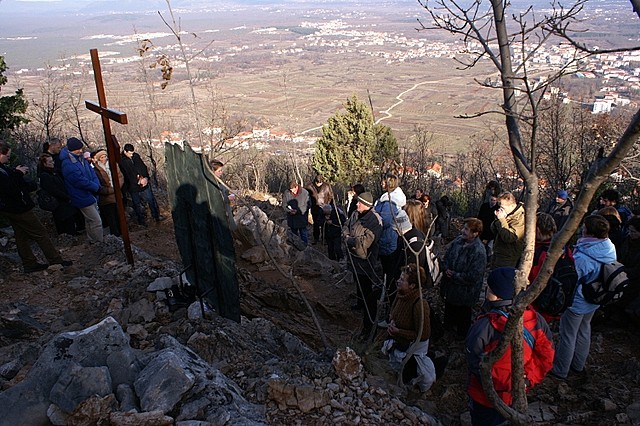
82	184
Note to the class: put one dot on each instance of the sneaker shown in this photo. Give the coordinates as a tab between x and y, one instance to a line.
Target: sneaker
160	218
35	268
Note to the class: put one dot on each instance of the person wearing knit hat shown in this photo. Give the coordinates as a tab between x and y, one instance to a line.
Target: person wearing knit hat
485	335
361	236
74	144
82	184
366	199
560	208
500	282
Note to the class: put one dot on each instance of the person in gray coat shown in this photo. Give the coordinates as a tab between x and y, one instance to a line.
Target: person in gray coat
464	263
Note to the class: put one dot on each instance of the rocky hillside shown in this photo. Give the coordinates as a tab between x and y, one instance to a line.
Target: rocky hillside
97	343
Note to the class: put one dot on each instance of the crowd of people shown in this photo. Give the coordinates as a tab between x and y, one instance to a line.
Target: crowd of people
386	242
78	188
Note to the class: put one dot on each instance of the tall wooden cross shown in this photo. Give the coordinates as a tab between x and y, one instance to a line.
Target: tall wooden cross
113	149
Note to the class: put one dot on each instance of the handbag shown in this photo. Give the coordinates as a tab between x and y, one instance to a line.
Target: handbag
47	201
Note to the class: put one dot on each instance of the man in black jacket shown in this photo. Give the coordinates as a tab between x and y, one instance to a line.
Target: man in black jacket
136	177
17	206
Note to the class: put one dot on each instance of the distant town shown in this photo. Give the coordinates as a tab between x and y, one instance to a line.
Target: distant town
618	75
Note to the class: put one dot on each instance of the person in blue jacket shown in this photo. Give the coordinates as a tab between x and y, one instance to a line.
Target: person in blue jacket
591	251
82	184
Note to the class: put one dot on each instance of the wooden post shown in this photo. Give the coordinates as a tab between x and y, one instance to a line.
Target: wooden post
113	149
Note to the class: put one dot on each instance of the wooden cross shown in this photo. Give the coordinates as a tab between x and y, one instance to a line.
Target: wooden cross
113	148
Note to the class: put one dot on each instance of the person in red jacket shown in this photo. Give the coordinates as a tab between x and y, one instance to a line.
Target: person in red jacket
485	335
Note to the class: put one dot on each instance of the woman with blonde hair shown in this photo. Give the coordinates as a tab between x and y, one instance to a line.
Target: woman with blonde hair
417	217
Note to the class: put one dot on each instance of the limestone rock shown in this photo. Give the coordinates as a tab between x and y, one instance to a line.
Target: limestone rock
163	382
347	364
149	418
77	384
93	411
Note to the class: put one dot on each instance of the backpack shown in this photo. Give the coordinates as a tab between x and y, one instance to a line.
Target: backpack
608	286
558	294
433	264
538	359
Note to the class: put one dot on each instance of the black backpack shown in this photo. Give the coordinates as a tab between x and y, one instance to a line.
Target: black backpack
558	294
608	285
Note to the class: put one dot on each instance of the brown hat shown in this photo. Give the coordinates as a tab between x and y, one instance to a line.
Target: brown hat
366	199
98	154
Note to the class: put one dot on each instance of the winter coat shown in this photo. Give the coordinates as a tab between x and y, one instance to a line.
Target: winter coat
406	314
387	210
468	262
52	182
509	238
589	255
484	336
560	212
79	178
333	228
15	191
412	240
107	192
133	169
397	196
362	238
299	203
487	215
319	195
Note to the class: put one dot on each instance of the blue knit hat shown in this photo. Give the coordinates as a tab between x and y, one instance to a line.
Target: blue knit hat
500	281
73	144
563	194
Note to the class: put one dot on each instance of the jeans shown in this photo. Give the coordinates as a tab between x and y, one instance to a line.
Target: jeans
148	197
303	233
93	223
484	416
575	340
27	227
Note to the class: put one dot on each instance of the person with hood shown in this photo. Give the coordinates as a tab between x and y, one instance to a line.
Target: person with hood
332	230
82	185
591	251
107	199
16	206
508	228
388	206
485	335
464	263
560	208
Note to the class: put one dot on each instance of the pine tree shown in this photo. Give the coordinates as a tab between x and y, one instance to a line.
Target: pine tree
352	147
11	107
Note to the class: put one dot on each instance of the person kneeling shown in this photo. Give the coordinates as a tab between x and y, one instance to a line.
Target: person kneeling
409	316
